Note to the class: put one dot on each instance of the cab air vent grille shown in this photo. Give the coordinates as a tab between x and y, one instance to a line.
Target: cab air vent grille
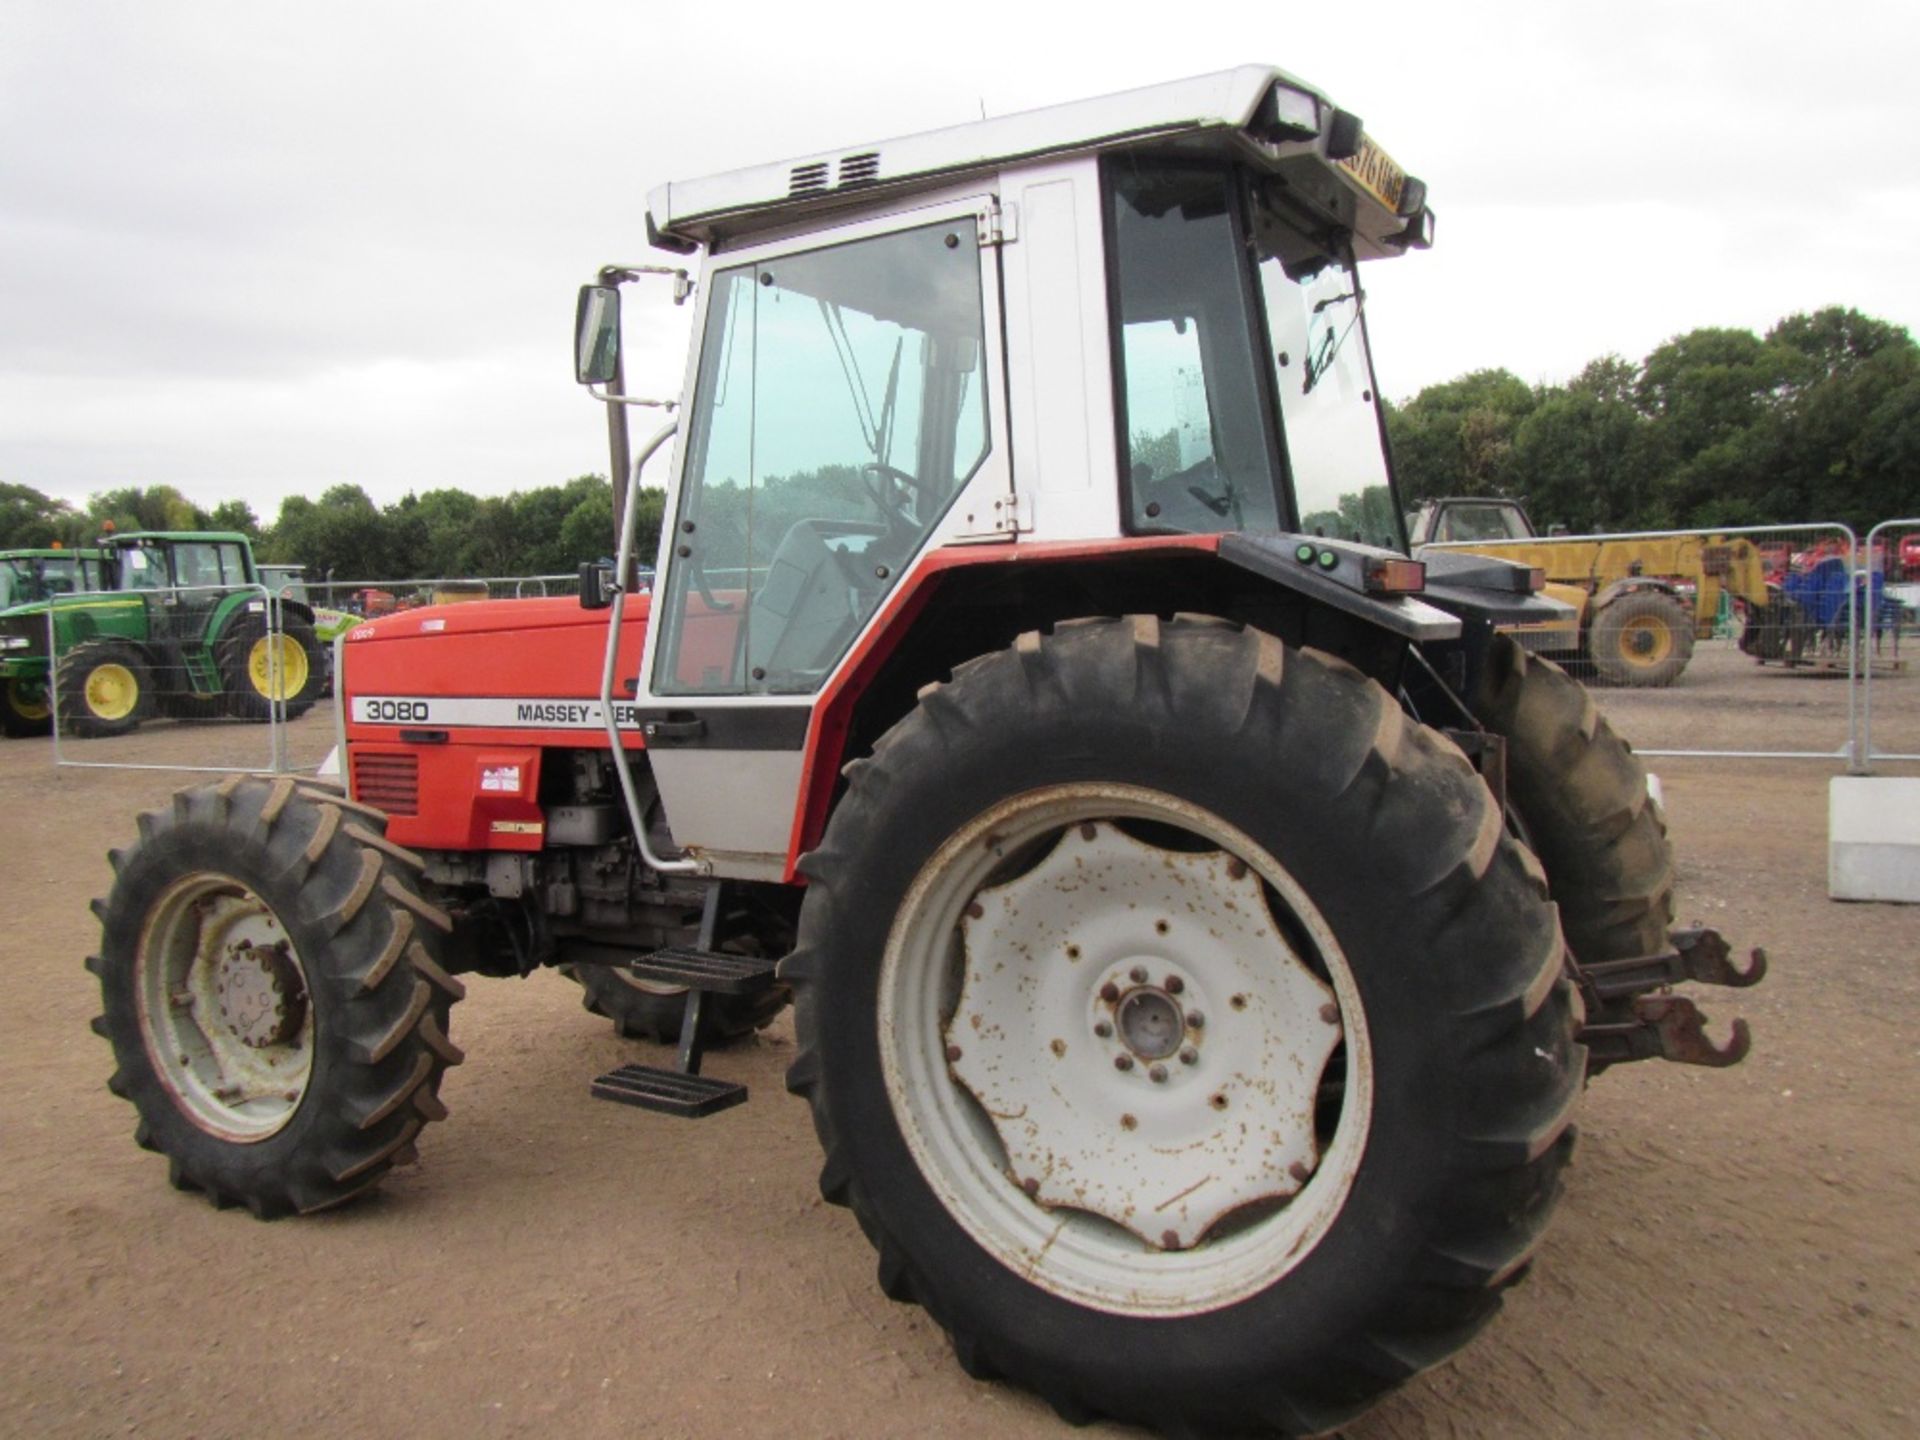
808	179
859	169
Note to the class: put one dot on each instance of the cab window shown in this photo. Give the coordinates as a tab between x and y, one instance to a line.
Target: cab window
839	409
143	569
195	565
1197	444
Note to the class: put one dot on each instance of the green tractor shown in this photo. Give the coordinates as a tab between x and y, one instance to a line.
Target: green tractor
178	625
28	577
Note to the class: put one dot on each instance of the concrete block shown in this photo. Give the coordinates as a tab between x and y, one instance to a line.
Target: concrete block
1873	838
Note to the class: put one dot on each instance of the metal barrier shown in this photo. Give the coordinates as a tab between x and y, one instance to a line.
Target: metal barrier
1772	644
1892	552
164	679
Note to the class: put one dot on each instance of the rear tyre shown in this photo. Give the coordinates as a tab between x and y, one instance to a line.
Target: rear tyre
1582	795
105	689
274	994
1020	903
24	710
1641	639
261	669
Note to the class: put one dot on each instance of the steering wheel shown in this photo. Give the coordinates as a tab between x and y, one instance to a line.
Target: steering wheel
1193	484
892	490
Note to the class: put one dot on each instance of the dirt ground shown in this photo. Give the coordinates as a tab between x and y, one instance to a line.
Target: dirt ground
1737	1254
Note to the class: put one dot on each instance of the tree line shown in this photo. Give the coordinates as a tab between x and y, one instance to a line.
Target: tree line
1817	419
344	536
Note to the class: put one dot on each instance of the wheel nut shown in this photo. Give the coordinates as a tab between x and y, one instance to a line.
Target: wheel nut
1110	992
953	1052
1138	974
1196	1020
1103	1030
1174	985
1189	1056
1330	1013
1157	1073
1030	1185
1127	1122
1123	1062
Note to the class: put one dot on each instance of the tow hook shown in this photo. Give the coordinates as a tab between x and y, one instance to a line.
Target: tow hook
1629	1023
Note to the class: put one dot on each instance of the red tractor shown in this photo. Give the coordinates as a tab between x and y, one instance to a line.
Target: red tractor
1201	931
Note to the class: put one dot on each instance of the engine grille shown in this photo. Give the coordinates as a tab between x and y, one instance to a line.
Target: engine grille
388	782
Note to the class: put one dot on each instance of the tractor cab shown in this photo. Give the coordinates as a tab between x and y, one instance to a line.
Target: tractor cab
30	576
1133	324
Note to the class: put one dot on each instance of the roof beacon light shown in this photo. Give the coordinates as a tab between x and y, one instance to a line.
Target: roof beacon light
1387	576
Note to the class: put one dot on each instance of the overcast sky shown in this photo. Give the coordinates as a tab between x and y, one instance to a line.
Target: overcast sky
257	249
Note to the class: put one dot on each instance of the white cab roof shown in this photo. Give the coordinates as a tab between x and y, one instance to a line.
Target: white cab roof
719	205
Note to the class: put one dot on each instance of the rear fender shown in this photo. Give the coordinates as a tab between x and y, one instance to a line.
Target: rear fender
965	601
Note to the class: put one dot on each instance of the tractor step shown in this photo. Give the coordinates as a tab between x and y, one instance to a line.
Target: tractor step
707	970
672	1092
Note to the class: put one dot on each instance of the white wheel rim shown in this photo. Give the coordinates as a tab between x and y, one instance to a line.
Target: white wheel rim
224	1008
1028	1144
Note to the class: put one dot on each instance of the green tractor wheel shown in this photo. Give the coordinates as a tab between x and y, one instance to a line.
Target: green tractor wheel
105	688
23	707
262	670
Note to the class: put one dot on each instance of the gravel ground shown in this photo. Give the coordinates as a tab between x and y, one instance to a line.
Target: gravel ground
1736	1255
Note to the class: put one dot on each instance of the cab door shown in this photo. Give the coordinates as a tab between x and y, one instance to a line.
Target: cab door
846	418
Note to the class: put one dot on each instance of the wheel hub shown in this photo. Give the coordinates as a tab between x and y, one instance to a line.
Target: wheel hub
224	1008
1151	1024
1142	1038
259	994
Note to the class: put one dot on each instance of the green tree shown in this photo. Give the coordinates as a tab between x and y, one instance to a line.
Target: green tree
341	535
1456	438
150	507
31	520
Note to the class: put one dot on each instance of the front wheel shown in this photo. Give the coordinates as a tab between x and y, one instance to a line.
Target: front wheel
1183	1027
1642	638
647	1010
271	987
23	707
105	688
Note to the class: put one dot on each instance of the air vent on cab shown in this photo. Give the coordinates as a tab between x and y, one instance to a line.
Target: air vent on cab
808	179
863	169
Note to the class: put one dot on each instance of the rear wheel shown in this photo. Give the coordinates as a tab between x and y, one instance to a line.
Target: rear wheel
24	709
277	1010
1183	1027
1582	795
262	669
1641	639
105	688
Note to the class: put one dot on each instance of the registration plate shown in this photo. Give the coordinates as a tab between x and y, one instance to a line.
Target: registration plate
1376	173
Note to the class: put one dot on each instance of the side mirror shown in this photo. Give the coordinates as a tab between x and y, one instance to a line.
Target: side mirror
596	585
596	335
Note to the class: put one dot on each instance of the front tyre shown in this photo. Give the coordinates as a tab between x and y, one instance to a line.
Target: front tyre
1183	1027
273	993
647	1010
105	689
24	710
1642	639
